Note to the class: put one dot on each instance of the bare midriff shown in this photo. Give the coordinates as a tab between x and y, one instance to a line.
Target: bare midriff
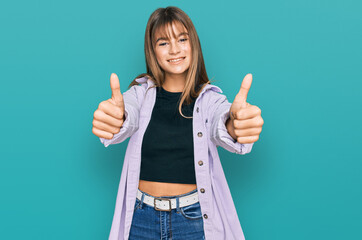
159	189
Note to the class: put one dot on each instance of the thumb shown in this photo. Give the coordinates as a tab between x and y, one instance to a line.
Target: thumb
243	92
116	91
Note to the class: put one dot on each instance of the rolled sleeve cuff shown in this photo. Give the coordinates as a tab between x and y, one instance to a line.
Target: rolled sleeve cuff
121	135
224	139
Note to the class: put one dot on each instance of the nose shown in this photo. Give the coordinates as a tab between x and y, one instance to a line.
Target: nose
174	48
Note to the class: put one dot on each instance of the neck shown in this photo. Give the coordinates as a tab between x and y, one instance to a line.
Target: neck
174	82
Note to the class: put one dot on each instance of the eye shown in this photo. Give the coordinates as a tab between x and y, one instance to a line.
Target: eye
183	39
162	44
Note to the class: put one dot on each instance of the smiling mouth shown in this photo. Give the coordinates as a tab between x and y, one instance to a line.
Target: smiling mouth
177	60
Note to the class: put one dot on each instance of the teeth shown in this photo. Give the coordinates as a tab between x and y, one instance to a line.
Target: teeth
175	60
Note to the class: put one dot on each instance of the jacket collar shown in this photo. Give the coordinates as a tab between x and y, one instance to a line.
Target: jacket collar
150	83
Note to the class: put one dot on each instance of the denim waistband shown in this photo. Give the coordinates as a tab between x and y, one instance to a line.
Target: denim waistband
174	196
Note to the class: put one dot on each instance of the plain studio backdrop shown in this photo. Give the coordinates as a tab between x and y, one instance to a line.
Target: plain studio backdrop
302	179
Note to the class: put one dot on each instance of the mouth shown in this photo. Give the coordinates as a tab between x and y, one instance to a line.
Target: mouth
176	60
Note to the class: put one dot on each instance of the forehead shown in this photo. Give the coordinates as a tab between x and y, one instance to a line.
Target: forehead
170	29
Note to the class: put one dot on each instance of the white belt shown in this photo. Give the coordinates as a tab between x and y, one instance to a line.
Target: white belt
163	204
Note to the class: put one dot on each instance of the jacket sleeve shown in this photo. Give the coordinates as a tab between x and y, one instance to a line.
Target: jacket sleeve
132	113
220	107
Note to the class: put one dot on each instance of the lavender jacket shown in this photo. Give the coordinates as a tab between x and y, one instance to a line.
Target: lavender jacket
210	113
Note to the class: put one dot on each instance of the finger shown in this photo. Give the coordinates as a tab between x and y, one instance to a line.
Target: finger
101	116
116	90
244	89
247	132
246	113
102	134
249	139
248	123
112	110
105	127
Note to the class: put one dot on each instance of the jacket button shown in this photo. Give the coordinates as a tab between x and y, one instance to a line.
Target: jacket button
205	216
199	134
197	109
202	190
201	163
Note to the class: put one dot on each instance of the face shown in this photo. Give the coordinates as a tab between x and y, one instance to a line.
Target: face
173	55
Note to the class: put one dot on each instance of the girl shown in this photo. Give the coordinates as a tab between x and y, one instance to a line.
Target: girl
172	184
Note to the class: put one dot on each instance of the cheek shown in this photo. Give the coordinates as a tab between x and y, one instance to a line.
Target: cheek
159	53
187	49
159	57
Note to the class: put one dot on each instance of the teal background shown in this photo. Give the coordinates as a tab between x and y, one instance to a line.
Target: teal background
302	179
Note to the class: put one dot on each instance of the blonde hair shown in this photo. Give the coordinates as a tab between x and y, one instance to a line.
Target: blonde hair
196	77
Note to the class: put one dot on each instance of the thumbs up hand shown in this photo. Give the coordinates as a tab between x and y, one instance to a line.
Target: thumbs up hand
245	122
109	117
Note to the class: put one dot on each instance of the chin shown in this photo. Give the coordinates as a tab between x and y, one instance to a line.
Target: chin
177	73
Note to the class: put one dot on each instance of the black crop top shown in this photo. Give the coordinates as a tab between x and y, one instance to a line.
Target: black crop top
167	153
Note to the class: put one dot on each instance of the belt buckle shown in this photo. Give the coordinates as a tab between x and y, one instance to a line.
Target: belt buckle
159	209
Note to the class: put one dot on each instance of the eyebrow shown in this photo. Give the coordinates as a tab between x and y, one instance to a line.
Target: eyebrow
162	38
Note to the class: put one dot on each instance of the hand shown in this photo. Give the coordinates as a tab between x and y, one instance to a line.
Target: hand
245	118
109	117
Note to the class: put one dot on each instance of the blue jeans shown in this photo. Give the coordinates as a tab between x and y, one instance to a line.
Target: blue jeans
177	224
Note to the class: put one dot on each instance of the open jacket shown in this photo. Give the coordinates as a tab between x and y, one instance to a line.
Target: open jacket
211	110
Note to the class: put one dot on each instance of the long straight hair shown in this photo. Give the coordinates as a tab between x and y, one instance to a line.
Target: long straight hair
196	77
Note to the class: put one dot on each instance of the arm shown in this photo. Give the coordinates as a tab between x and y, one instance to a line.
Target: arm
131	115
220	135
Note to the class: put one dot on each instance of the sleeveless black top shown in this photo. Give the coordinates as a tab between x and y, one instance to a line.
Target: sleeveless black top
167	153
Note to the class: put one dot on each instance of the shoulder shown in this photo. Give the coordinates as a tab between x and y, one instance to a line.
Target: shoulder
139	85
136	91
212	93
211	88
210	98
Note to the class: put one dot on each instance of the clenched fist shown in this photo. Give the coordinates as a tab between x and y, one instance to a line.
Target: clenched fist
109	117
245	118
